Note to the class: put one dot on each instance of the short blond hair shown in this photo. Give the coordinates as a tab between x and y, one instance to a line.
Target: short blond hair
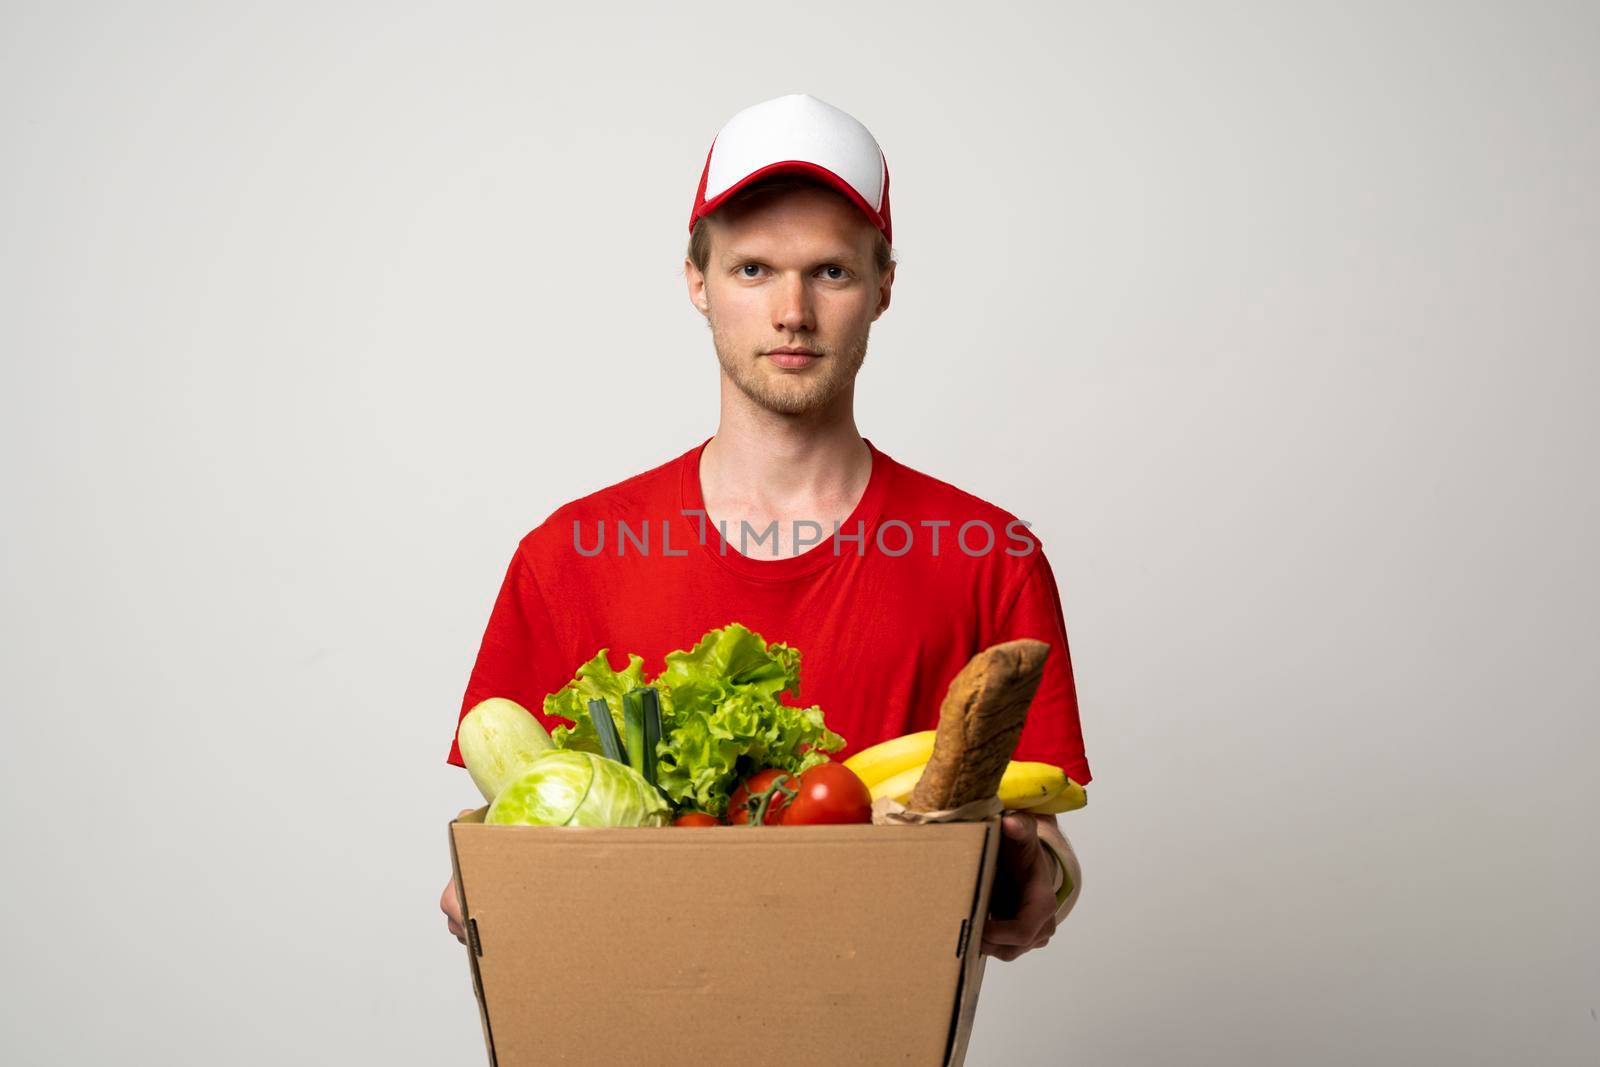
699	252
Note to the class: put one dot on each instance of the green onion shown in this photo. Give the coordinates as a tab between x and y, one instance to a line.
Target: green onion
652	732
633	727
606	729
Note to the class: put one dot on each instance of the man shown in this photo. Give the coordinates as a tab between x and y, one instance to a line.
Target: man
788	520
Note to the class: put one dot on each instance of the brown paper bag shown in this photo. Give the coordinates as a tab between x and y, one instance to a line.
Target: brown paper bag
889	810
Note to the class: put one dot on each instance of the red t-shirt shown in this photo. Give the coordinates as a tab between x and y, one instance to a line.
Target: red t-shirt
884	616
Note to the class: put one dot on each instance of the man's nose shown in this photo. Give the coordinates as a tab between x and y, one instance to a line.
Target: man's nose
793	312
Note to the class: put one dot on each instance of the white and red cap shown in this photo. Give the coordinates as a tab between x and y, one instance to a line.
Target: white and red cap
796	134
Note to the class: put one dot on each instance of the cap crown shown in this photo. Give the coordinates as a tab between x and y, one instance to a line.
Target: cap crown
796	134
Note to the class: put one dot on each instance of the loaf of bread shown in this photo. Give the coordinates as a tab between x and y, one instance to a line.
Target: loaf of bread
979	724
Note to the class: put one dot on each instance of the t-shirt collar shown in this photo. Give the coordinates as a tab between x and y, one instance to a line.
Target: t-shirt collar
862	519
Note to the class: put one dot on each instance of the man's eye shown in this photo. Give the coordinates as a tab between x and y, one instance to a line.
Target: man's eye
841	274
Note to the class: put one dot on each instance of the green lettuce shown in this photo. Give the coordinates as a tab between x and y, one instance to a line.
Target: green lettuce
595	679
722	716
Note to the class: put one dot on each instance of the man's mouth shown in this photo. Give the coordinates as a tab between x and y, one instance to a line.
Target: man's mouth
792	358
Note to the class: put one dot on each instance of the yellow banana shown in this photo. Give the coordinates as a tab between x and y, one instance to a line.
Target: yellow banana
1025	786
889	758
1071	798
1026	783
899	785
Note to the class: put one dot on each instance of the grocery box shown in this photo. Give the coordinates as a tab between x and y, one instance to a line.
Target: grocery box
725	945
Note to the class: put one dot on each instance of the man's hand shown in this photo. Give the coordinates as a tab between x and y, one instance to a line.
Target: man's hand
451	906
1025	881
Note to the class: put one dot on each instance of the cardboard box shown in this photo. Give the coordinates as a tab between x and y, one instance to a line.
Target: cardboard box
819	945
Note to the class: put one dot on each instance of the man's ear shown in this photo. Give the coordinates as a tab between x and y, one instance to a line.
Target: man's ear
883	290
697	287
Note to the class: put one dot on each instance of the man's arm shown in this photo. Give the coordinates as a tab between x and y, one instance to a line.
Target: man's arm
1052	732
520	657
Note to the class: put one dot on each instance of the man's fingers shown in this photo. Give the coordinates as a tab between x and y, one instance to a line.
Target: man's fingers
447	900
1005	953
1019	836
1039	904
1011	952
1009	932
1023	827
1017	931
1035	919
452	911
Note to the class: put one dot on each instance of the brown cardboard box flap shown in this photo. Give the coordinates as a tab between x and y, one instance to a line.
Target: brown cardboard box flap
720	945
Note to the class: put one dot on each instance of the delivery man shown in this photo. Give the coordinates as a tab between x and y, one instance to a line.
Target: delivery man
787	520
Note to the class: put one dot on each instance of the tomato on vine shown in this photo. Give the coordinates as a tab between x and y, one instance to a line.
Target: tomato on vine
829	793
761	799
695	818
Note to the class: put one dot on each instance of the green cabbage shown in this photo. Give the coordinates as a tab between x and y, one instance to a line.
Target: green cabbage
721	714
570	788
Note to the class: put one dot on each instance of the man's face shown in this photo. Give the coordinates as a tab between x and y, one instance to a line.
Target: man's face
792	270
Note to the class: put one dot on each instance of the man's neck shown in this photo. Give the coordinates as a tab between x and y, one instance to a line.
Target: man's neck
762	466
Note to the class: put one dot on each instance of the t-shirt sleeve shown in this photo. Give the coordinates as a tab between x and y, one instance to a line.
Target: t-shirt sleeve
1052	732
520	657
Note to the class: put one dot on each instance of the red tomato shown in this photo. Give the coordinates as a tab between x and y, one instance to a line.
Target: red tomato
829	793
780	783
695	818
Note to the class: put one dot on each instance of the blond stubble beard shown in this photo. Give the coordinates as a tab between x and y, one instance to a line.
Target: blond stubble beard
795	394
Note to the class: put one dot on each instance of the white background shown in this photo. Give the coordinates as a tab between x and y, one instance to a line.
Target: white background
1279	322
